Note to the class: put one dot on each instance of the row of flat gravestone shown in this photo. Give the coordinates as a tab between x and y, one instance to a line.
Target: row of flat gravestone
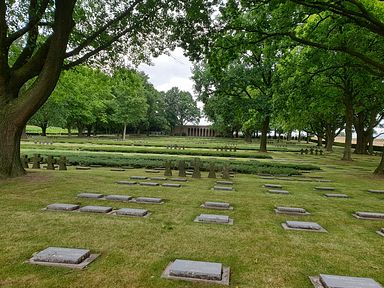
181	269
227	148
37	160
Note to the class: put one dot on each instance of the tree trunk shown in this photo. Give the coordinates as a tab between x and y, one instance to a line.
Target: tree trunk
361	140
319	141
299	137
264	135
69	131
10	164
289	136
370	143
380	169
44	129
80	129
89	130
124	131
347	156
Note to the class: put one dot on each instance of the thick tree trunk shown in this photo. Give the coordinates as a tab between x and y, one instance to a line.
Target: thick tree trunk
370	144
10	165
89	130
347	156
69	131
380	169
44	129
299	136
319	141
361	140
264	135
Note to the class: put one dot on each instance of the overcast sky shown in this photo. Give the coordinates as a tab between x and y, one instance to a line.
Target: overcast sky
171	71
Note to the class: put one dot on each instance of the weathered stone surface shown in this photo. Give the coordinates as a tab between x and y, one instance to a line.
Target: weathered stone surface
174	185
159	178
132	212
168	168
291	209
152	171
62	207
182	168
196	269
124	182
225	174
222	182
277	191
303	225
212	170
376	191
216	205
223	188
117	169
212	218
118	198
138	177
373	215
325	188
149	184
96	209
62	255
95	166
83	168
336	195
149	200
196	168
273	186
179	179
90	195
334	281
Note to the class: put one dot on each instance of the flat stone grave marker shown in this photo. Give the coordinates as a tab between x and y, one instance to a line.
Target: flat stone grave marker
95	166
267	177
159	168
62	207
303	226
272	186
63	257
83	168
179	179
212	218
381	232
123	198
152	171
117	169
223	188
325	188
96	209
209	272
149	184
132	212
336	195
174	185
149	200
291	210
335	281
124	182
138	177
188	173
369	215
278	191
222	182
158	178
90	195
217	205
376	191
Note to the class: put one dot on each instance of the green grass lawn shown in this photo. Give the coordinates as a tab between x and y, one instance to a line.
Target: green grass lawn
134	252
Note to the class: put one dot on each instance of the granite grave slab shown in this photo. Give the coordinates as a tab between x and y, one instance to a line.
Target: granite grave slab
217	205
381	232
291	210
223	188
149	184
152	171
325	188
122	198
174	185
83	168
138	177
63	257
124	182
212	218
336	195
179	179
278	191
335	281
209	272
117	170
369	215
96	209
303	226
223	182
272	186
376	191
159	178
148	200
90	195
62	207
132	212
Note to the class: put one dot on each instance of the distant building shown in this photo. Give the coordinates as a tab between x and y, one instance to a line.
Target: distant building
194	130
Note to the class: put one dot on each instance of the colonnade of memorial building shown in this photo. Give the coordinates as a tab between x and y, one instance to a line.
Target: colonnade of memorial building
194	130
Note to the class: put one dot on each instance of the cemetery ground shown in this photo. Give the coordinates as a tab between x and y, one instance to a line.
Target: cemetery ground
135	251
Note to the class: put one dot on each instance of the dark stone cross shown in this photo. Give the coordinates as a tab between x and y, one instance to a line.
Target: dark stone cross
196	168
62	163
36	161
225	174
24	161
212	170
168	170
51	163
182	168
